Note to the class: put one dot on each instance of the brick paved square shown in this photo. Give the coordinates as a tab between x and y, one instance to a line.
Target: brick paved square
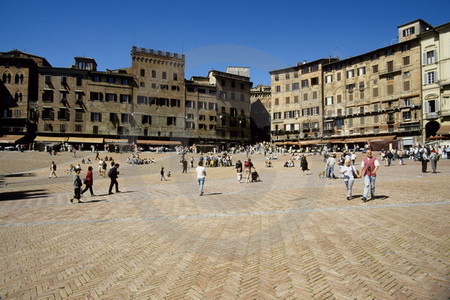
290	236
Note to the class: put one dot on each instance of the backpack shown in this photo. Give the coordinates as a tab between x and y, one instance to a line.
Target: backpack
246	164
111	172
54	167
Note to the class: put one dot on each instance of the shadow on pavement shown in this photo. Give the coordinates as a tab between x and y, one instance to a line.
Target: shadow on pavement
23	195
20	175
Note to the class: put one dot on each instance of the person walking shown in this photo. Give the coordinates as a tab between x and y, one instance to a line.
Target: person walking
89	181
331	161
162	174
304	164
248	165
76	183
52	170
113	173
434	157
348	172
238	167
185	165
201	176
369	167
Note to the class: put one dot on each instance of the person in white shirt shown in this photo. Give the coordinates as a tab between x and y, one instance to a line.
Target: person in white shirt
348	172
201	175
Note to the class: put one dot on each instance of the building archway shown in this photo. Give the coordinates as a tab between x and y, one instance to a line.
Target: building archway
431	128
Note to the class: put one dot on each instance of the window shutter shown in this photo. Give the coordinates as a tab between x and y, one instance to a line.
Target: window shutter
437	104
435	56
436	79
425	78
426	107
424	58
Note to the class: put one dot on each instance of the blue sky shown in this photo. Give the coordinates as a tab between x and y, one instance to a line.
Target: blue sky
262	35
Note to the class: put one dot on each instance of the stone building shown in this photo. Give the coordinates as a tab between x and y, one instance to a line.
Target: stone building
435	44
260	112
144	104
296	103
375	95
18	89
218	109
372	98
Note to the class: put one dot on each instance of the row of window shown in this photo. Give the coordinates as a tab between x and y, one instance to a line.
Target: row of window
158	101
303	70
296	85
296	127
295	99
18	78
223	83
109	79
153	74
308	111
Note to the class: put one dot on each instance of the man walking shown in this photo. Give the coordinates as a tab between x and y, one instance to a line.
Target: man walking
369	167
201	175
52	170
113	174
185	165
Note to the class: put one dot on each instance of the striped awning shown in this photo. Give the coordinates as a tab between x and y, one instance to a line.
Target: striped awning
10	139
51	139
88	140
159	143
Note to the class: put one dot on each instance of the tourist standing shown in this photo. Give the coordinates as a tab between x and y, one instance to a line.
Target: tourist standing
369	167
238	167
201	176
89	181
434	157
113	173
52	170
76	183
348	172
423	156
248	165
304	164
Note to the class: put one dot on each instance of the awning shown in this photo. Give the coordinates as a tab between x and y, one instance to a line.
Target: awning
310	142
89	140
381	138
10	139
444	130
116	141
60	139
160	143
356	140
336	141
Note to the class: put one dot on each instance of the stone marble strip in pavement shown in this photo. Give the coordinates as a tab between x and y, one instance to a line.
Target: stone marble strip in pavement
231	214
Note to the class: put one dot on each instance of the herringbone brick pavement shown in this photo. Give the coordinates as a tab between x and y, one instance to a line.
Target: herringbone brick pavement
290	236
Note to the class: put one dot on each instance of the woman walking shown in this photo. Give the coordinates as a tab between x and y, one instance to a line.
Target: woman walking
76	186
89	181
304	164
348	172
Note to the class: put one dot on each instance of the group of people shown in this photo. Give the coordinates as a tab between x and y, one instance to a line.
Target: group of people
369	167
135	159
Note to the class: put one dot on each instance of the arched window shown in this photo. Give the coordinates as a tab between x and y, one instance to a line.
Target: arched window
18	97
6	77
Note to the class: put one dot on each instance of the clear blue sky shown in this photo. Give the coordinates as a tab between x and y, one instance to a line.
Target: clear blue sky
263	35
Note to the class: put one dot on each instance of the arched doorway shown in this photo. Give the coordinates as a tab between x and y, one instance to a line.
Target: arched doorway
431	128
